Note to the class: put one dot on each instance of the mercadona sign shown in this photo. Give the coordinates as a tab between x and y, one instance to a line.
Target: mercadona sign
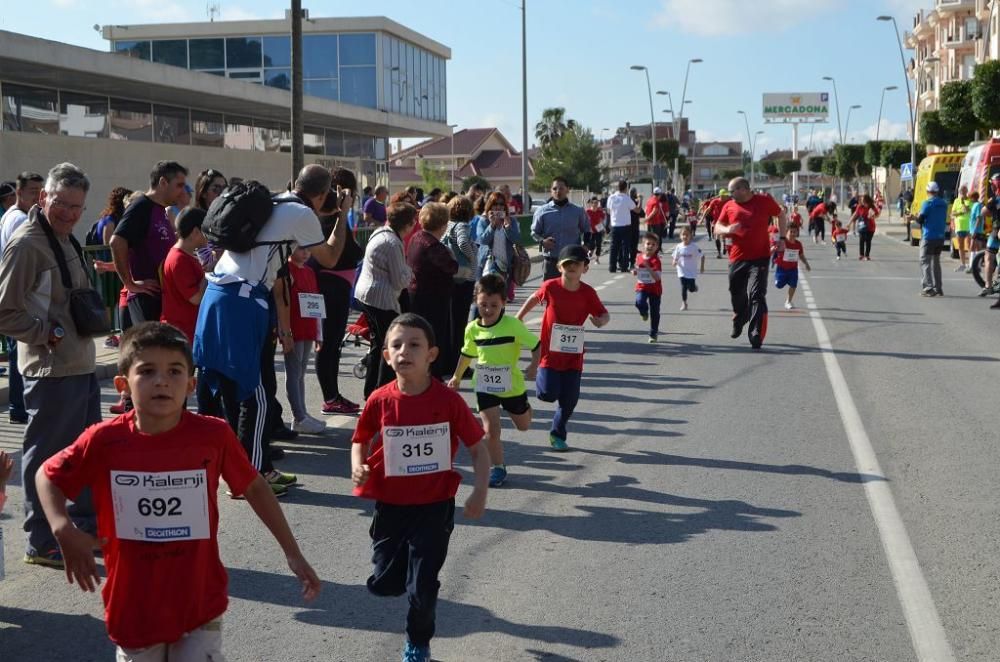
797	107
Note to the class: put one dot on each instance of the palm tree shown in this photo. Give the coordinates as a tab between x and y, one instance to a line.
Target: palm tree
552	126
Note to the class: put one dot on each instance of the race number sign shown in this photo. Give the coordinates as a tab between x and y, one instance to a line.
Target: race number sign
411	450
791	255
312	306
160	506
645	276
493	378
566	339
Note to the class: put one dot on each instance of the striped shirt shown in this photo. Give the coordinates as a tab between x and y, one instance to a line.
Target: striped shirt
384	272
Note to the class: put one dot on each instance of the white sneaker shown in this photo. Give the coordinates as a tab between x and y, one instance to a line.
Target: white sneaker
309	425
788	305
684	305
960	268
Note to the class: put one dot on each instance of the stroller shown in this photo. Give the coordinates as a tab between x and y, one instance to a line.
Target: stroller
360	335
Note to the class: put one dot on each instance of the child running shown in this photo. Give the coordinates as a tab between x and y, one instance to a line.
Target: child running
569	303
686	258
495	341
838	235
154	475
301	310
649	282
402	455
787	264
594	240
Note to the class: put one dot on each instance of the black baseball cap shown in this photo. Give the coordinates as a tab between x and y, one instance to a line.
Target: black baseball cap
573	253
7	188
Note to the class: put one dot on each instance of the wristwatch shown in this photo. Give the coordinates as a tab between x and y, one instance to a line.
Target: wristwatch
58	332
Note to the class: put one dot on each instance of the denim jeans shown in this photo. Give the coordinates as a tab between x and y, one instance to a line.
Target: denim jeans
649	304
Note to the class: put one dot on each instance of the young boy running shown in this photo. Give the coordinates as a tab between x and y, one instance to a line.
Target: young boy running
649	282
495	341
838	235
402	454
569	303
154	474
687	257
787	264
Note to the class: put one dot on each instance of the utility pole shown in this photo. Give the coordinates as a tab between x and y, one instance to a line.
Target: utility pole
298	150
524	107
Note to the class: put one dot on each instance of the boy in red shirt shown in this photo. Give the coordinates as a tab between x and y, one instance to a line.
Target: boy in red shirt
183	276
594	240
569	303
401	456
786	262
838	235
648	285
154	474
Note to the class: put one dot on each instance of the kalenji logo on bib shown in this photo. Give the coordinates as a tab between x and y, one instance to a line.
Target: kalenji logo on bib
166	480
127	480
168	533
394	432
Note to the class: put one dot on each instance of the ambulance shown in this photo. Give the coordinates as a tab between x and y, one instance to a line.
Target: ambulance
943	169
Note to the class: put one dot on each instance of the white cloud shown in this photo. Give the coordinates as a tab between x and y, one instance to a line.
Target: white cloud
65	4
727	17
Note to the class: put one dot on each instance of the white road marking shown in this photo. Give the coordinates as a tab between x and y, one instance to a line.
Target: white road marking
926	632
915	279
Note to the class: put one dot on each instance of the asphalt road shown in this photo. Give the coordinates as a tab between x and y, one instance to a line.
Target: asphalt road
711	507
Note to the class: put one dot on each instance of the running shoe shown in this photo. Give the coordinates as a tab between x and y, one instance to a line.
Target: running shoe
111	342
50	559
652	340
644	317
309	425
737	329
498	474
340	405
985	292
275	477
558	444
684	305
939	292
789	306
282	432
20	419
412	653
928	293
118	408
960	268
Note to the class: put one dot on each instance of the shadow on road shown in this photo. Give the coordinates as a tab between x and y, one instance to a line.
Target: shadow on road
352	607
29	634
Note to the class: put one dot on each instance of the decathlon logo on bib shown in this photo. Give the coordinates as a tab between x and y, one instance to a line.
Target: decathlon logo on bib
411	450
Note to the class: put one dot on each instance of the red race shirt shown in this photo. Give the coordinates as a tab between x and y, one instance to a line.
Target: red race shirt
388	406
839	233
565	307
596	217
655	214
818	212
155	591
796	219
779	256
303	281
653	265
182	276
715	206
868	215
751	242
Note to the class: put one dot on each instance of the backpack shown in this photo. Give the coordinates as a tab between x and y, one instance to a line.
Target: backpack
237	216
93	237
520	265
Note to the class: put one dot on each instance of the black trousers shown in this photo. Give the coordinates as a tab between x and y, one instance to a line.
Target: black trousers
461	303
633	244
551	269
865	243
337	295
621	253
379	372
748	292
409	547
435	307
144	308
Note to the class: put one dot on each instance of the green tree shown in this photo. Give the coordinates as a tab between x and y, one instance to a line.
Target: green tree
769	168
815	163
553	126
986	94
432	176
897	152
788	166
666	150
732	174
933	131
575	156
472	180
873	152
956	111
850	160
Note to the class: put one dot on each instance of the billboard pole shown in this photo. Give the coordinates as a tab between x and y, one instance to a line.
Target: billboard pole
795	155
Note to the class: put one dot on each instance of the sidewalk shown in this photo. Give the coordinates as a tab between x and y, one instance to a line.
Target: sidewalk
107	367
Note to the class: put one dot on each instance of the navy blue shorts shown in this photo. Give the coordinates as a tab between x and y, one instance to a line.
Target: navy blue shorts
784	277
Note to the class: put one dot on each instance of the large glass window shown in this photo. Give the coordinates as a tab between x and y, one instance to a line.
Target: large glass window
171	125
83	115
31	109
131	120
239	133
359	145
171	51
357	86
334	142
357	49
313	140
278	78
207	129
247	76
325	89
139	49
277	52
319	56
208	53
271	136
243	52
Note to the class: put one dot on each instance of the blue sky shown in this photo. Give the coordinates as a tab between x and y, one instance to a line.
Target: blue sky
579	53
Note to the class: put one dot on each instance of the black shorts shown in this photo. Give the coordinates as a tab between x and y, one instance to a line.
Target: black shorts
979	237
516	405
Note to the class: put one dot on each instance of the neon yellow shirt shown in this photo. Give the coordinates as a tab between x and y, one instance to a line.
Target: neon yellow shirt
500	345
960	214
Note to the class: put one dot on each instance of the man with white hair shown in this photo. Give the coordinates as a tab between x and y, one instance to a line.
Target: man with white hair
933	218
61	393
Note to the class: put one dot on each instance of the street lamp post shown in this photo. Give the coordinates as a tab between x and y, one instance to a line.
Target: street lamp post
836	101
854	107
678	118
652	117
452	127
878	127
753	150
910	102
749	140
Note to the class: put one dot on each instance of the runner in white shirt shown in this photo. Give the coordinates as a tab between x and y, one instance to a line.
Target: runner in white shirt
687	257
620	207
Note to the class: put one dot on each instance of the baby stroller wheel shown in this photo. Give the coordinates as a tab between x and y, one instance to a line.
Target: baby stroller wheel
360	369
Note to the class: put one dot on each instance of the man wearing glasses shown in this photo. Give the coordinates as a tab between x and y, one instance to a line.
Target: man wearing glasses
744	219
556	224
61	393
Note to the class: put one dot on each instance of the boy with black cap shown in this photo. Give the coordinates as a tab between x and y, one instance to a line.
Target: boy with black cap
569	303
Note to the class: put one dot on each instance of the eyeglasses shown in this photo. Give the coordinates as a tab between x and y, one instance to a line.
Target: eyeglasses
73	209
217	188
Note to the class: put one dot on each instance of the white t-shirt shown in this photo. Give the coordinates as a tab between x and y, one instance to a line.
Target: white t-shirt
620	206
12	219
687	260
291	222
